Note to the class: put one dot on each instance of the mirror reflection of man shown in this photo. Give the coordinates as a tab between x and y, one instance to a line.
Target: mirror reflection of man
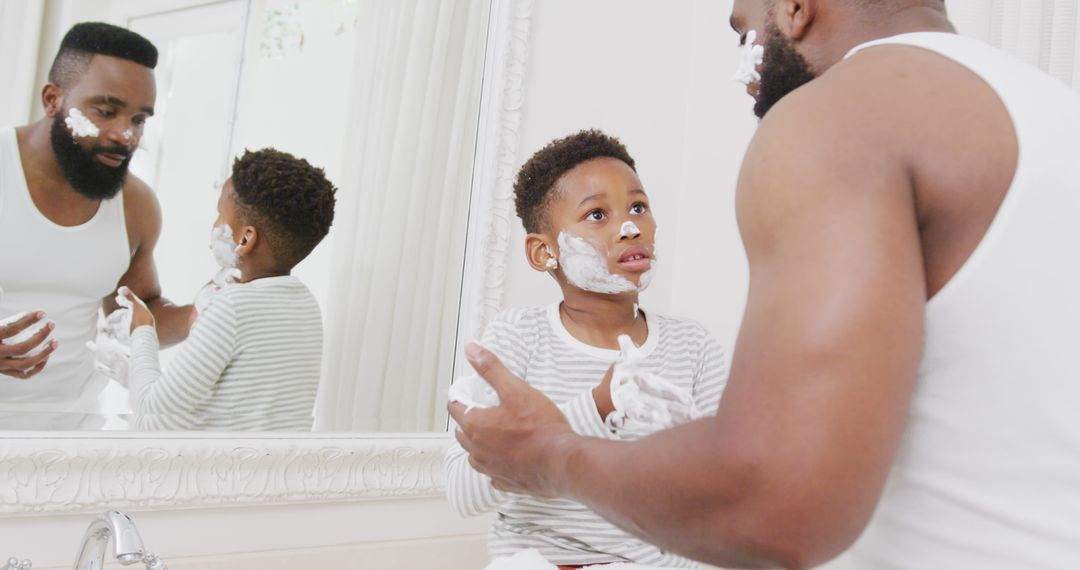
905	372
74	225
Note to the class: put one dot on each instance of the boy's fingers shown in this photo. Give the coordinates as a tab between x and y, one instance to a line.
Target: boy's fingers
457	411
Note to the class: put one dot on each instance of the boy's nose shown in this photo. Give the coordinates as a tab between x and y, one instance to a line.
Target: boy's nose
629	230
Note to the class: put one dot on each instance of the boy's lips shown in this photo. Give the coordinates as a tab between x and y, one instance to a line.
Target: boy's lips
635	259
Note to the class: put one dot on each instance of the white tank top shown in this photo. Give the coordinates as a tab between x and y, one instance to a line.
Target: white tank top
988	472
65	271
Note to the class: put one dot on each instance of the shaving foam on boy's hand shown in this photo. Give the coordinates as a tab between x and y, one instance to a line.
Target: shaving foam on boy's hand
644	402
473	392
111	347
111	357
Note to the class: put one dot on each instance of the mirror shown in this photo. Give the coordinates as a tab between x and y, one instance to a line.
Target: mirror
384	96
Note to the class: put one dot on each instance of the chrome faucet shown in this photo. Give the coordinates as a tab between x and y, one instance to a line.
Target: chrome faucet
118	528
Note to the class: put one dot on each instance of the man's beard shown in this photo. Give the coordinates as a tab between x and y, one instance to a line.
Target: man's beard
80	167
783	70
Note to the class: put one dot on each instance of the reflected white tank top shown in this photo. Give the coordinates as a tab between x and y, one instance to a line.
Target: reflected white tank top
65	271
988	471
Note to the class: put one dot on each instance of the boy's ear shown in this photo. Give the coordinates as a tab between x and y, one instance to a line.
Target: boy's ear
541	252
248	237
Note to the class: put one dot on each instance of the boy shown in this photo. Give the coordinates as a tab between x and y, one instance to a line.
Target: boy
253	357
591	229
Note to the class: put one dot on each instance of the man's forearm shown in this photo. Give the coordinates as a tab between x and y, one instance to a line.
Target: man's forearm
711	515
173	321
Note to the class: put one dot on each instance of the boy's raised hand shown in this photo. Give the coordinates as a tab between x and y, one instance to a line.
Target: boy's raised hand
140	314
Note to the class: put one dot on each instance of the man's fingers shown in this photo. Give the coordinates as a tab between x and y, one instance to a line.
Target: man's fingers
25	374
491	369
21	348
28	362
22	323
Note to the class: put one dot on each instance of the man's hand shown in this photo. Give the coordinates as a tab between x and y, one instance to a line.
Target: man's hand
140	313
520	443
14	361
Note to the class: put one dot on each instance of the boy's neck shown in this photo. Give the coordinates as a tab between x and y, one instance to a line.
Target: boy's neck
598	319
249	275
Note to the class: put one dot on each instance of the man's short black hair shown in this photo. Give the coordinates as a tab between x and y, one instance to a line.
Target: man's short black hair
87	39
289	201
537	177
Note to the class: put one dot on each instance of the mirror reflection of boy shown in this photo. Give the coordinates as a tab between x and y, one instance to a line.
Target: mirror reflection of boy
252	360
591	228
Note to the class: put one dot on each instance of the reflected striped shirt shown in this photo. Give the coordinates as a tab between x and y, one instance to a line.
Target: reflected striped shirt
535	345
251	363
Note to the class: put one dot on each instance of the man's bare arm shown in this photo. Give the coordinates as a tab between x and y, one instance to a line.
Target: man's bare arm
144	227
790	469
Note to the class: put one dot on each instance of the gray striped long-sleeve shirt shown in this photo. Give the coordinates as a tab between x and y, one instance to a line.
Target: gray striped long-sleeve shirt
251	362
533	343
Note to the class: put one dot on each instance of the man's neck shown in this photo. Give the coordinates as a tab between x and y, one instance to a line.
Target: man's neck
39	162
51	192
599	319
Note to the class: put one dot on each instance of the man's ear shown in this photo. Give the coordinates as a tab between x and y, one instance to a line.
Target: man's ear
541	252
796	16
249	236
52	99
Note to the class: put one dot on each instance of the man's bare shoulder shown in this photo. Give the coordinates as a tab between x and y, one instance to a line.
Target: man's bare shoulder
141	211
885	95
846	135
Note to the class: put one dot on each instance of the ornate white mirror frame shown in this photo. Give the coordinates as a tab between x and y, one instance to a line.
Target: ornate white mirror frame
43	473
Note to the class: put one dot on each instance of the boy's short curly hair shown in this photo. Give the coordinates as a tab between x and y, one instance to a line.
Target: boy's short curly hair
538	176
290	201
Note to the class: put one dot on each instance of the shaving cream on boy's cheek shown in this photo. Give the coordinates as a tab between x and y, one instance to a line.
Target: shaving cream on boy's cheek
224	249
80	125
585	268
223	246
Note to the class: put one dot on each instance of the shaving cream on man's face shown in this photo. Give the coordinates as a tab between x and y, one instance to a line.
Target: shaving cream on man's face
80	125
751	56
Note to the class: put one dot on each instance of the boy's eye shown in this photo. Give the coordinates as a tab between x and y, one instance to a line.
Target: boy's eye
107	113
638	209
595	215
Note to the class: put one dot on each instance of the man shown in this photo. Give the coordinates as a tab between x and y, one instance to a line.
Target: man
909	214
75	225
